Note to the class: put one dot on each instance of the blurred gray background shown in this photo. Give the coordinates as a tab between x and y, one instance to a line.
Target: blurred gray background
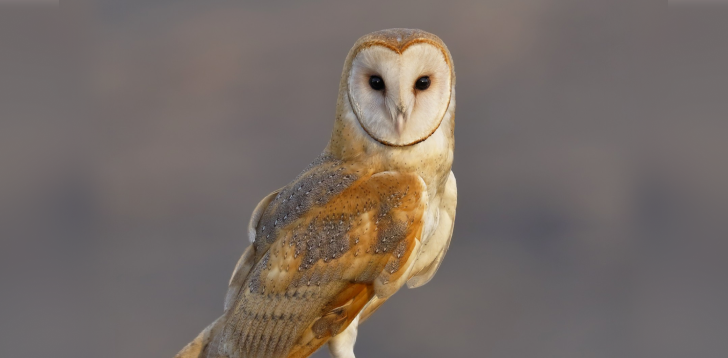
592	163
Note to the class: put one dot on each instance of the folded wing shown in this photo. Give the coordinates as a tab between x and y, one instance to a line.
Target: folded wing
314	272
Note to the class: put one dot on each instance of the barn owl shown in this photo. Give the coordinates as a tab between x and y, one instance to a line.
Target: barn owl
373	212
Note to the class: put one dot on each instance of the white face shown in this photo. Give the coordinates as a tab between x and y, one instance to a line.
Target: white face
400	99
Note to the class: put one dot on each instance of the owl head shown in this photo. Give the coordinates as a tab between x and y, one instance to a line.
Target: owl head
398	85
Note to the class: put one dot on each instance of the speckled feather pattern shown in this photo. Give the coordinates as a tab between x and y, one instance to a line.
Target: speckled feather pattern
353	231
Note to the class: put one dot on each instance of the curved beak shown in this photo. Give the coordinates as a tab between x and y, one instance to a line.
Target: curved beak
399	122
397	110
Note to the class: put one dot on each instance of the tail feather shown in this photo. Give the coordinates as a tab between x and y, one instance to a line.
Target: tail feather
199	346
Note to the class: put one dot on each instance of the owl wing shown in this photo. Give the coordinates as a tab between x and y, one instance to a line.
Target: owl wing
428	260
247	260
440	238
311	275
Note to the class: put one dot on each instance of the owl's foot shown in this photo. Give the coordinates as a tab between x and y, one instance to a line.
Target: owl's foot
342	345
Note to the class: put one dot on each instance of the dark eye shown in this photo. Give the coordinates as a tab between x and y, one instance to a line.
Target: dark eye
376	82
422	83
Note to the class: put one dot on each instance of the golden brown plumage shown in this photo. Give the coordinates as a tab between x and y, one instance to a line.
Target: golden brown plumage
374	211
